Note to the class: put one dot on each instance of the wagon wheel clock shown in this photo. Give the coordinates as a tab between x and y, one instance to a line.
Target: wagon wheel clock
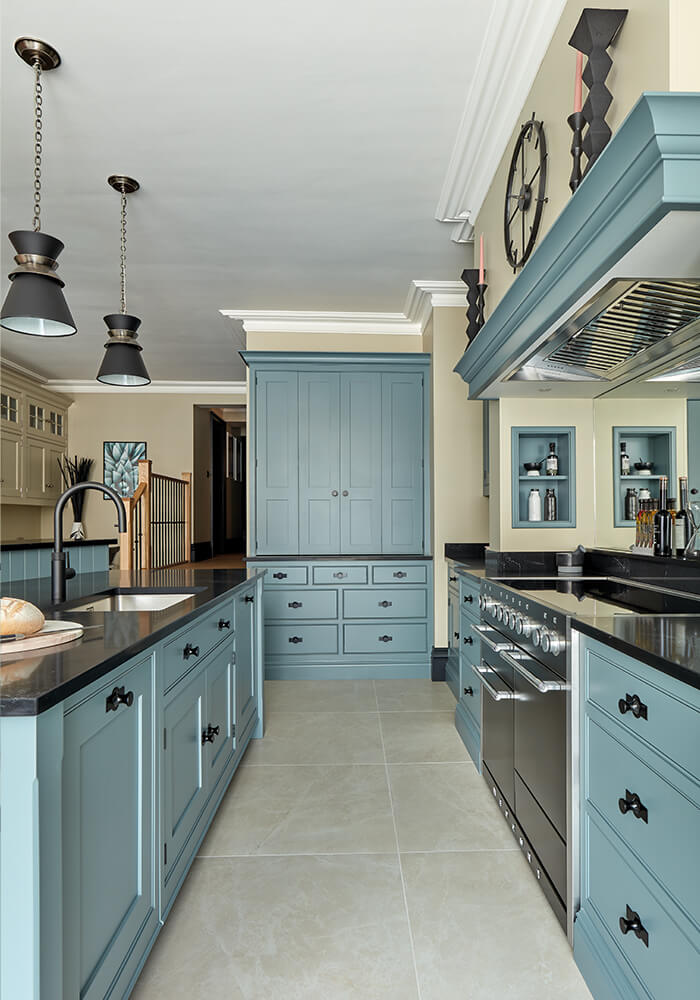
527	180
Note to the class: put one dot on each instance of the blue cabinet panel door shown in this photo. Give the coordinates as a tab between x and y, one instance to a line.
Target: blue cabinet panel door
361	461
319	462
402	463
277	457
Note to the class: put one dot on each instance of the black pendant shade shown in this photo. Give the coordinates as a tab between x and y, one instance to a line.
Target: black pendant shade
122	364
35	304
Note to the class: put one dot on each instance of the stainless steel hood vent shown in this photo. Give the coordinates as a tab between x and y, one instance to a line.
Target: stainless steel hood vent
623	319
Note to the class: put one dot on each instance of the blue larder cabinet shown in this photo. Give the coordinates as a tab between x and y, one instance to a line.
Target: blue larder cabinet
360	462
319	462
246	692
402	463
109	865
277	462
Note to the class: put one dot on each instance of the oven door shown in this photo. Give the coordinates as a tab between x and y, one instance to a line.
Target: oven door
497	721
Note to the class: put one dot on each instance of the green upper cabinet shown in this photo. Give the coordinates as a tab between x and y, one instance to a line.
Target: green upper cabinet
339	454
277	462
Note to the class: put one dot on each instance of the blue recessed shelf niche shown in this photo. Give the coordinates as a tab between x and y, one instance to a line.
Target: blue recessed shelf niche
531	444
650	444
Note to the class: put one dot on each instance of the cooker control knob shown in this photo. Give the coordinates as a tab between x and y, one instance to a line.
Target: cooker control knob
494	609
545	641
536	636
557	643
523	626
500	614
482	602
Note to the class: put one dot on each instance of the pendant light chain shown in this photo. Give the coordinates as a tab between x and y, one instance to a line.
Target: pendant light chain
123	253
38	124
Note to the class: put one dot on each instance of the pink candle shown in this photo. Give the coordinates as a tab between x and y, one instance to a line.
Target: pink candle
578	82
481	259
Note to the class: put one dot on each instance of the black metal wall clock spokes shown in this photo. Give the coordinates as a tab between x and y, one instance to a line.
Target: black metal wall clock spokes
525	193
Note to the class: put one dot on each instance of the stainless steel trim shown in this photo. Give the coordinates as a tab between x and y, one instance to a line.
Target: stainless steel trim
497	647
505	694
547	681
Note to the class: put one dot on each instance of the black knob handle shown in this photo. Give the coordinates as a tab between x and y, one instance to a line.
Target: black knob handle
385	604
469	599
400	575
295	604
453	579
249	598
119	697
632	803
633	922
633	703
339	576
224	623
386	638
469	691
209	734
279	576
190	650
295	639
468	639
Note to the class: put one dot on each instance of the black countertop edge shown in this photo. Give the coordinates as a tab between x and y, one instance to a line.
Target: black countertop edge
685	672
32	682
339	558
47	543
466	551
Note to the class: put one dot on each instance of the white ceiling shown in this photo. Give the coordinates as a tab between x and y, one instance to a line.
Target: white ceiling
290	155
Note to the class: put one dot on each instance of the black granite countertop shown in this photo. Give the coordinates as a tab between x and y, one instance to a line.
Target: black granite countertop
339	558
47	543
670	643
32	682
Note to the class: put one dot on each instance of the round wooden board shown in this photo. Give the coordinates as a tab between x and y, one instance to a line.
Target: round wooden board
52	634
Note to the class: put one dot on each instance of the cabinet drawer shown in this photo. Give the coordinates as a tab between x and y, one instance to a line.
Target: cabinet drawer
399	574
300	604
469	591
672	960
192	645
665	722
385	604
470	691
667	842
301	640
385	639
469	643
283	576
340	574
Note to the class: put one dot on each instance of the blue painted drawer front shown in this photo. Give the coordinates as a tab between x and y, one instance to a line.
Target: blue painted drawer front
385	603
612	771
219	681
283	576
339	574
295	605
203	635
397	573
246	672
311	640
109	871
385	638
672	724
671	963
469	643
470	682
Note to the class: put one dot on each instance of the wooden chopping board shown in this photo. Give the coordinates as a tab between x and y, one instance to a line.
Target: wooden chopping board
52	634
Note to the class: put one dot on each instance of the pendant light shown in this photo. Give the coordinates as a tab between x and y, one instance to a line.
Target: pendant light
35	304
122	363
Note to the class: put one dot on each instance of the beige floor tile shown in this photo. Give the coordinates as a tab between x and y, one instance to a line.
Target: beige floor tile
483	930
446	807
421	737
320	696
414	696
298	928
310	809
318	738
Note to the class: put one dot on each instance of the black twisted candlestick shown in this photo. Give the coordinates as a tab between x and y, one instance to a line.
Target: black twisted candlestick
475	301
576	122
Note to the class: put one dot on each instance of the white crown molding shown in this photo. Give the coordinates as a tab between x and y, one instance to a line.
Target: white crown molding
174	388
517	37
18	369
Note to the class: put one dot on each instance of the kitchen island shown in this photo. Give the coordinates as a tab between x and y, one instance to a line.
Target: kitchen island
115	751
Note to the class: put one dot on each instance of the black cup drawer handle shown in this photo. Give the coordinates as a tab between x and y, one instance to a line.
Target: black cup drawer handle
633	703
279	576
249	598
295	639
295	604
469	599
385	604
632	803
456	635
190	650
386	638
209	734
119	696
469	691
224	623
468	640
633	922
453	579
400	575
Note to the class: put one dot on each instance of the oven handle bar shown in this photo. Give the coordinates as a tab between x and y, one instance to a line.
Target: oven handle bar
497	647
504	694
544	683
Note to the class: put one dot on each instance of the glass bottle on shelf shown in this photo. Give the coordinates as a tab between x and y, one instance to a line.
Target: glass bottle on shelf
682	529
534	505
624	459
662	521
551	465
631	505
550	505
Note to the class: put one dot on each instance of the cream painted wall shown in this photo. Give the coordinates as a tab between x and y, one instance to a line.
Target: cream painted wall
164	421
18	522
684	31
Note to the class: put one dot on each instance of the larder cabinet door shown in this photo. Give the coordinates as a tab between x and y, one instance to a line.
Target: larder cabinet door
246	690
218	723
10	464
34	469
402	463
277	463
361	458
319	462
109	869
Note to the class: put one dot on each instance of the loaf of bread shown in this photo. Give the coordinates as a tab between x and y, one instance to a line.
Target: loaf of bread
19	617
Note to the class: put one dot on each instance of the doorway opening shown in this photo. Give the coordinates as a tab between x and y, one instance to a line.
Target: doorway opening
219	485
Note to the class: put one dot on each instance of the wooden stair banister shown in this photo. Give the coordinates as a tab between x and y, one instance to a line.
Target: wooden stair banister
157	542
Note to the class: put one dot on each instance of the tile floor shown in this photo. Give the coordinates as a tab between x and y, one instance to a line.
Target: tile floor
357	856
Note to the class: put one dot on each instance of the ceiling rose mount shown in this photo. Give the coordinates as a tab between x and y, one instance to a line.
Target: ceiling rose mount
33	50
123	184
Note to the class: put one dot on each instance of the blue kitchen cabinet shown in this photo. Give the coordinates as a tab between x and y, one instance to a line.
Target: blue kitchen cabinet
648	444
452	665
247	673
110	900
219	681
277	462
360	462
319	462
402	462
468	709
